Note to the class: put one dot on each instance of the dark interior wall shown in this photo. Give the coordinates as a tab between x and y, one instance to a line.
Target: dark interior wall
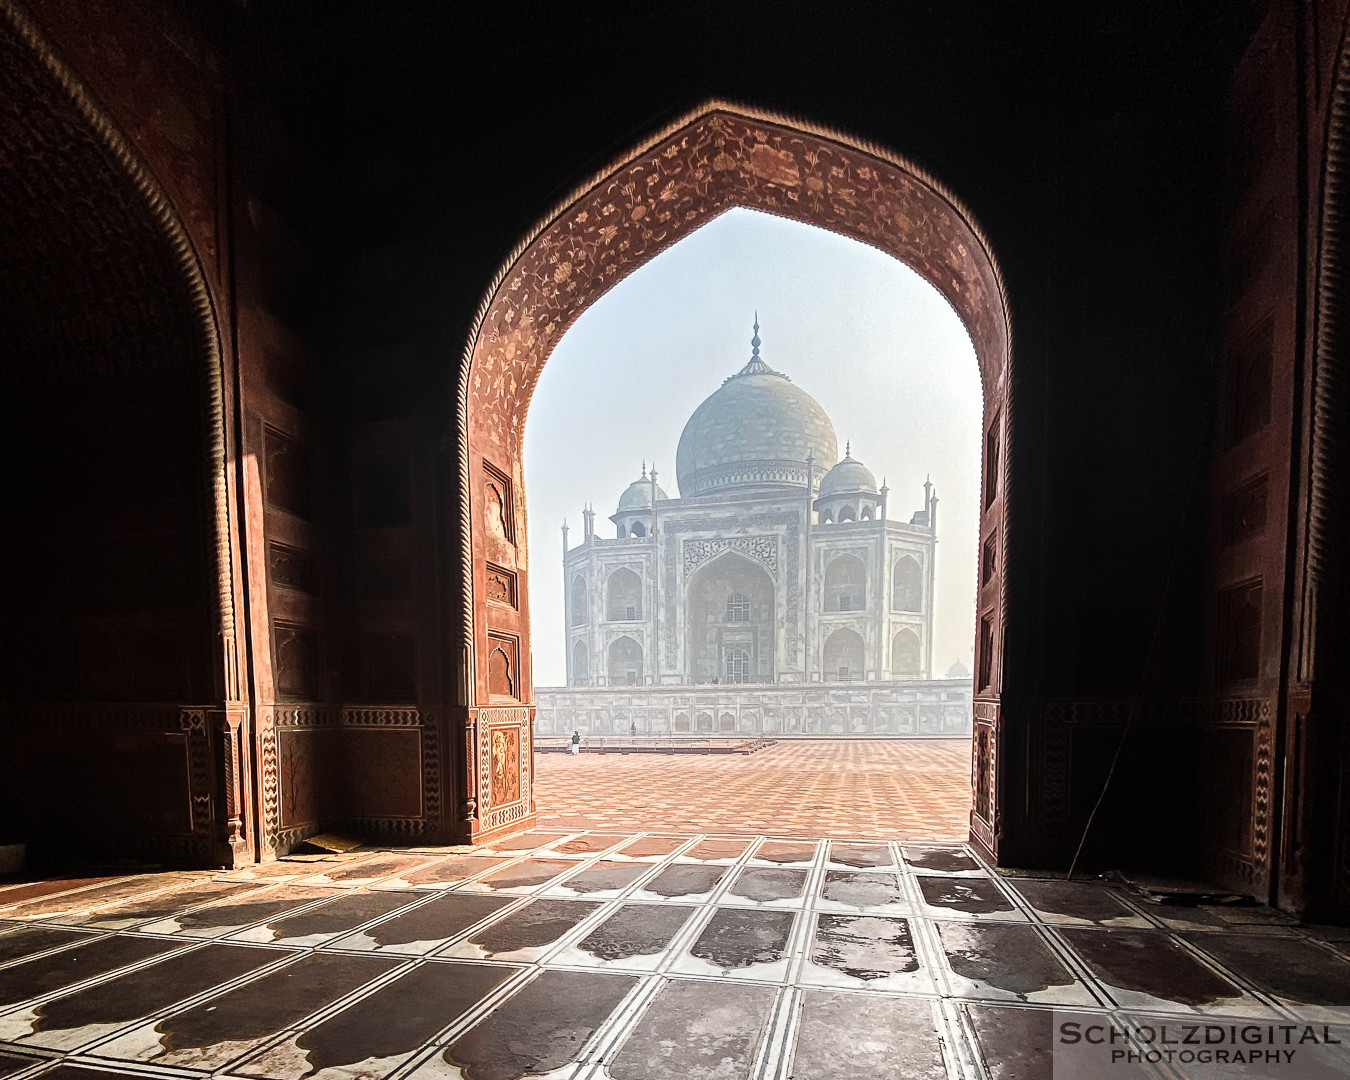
110	626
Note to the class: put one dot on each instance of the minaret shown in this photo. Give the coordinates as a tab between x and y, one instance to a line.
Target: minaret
930	495
884	492
808	642
588	522
568	617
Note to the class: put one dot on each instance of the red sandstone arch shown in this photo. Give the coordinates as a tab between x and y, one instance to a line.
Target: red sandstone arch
105	299
719	156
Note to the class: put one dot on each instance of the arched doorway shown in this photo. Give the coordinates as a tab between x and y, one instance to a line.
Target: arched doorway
581	664
844	656
907	585
625	663
906	656
718	157
623	596
122	673
729	622
845	583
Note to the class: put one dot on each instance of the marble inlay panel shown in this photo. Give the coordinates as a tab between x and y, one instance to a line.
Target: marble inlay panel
328	920
215	1032
526	933
98	1010
55	971
969	897
380	1031
848	1036
860	856
1149	968
426	927
1006	960
866	951
686	882
540	1029
697	1030
635	937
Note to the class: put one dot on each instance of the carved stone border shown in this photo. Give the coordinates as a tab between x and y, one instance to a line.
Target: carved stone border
498	718
179	244
205	838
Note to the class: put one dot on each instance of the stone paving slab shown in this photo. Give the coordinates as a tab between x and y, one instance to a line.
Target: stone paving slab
694	955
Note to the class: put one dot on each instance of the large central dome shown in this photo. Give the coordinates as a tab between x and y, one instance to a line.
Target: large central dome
758	429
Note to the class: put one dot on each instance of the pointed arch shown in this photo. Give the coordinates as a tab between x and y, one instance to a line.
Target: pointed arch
581	663
623	596
624	662
845	584
730	634
906	655
907	584
844	656
718	156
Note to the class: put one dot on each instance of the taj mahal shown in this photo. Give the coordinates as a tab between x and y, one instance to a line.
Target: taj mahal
775	595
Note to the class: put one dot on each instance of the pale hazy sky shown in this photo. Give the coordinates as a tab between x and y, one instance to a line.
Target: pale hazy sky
879	348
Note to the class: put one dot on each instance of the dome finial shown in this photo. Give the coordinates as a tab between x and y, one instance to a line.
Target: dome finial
848	448
754	341
644	469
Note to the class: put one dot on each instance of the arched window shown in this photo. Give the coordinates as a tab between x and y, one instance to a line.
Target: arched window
907	585
623	596
867	513
738	664
846	513
906	662
579	614
846	584
844	657
625	663
738	608
581	664
726	722
639	529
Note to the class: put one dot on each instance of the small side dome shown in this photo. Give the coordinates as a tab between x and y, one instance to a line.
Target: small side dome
849	477
638	494
958	671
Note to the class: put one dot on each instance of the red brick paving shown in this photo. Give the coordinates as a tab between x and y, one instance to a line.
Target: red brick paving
895	789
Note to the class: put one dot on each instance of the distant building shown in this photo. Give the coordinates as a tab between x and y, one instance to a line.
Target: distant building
776	566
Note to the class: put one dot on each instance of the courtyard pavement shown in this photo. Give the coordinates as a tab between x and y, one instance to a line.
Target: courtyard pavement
656	955
886	789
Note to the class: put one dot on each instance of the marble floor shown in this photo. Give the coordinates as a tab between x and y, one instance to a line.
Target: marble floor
895	789
635	956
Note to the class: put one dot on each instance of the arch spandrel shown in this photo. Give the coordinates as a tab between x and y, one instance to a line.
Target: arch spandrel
724	156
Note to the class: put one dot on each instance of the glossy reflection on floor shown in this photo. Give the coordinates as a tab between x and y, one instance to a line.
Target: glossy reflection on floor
631	956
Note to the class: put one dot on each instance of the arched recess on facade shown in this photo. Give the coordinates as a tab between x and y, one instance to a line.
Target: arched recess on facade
845	584
906	655
719	156
581	664
907	584
624	662
729	628
844	656
117	639
623	596
578	612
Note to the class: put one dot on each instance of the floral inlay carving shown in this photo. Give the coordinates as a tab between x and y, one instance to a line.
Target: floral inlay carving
763	549
719	160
